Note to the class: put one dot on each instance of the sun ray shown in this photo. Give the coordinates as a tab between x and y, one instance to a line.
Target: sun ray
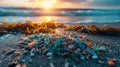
48	3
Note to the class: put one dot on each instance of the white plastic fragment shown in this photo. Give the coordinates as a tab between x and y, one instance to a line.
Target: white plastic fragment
51	64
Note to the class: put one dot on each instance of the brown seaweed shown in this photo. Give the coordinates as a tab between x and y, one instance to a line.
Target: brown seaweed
91	29
30	27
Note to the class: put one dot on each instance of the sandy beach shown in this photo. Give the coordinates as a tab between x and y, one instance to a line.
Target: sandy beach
60	33
110	43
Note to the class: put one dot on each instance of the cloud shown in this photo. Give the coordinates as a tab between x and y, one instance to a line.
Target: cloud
75	1
69	1
72	3
95	2
104	2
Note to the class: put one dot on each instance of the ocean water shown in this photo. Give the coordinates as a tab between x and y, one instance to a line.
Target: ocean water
14	15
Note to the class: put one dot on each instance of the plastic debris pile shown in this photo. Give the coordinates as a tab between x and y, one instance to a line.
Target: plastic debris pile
55	45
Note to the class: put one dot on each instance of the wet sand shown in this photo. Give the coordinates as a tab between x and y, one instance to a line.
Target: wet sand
112	44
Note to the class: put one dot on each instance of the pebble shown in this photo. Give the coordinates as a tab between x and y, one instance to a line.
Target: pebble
18	65
0	61
56	46
23	61
32	54
82	57
12	65
24	65
49	54
51	64
30	60
111	63
10	52
66	64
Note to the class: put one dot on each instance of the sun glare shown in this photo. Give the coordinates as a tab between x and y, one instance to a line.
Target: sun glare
48	3
48	19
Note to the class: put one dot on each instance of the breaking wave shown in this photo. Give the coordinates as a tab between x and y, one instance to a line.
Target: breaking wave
72	12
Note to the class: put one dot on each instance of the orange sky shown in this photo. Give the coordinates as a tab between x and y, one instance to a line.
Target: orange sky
62	3
25	3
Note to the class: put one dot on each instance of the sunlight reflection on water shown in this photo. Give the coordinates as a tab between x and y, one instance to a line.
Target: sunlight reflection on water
63	19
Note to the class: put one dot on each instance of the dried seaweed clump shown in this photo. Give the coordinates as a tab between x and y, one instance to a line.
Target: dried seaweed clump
95	30
29	27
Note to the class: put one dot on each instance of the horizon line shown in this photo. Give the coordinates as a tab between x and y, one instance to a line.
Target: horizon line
18	7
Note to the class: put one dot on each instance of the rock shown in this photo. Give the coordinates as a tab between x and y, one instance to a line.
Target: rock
89	44
66	64
111	63
0	61
24	43
24	65
82	57
99	61
17	52
32	54
10	52
18	65
25	52
51	64
102	48
49	54
12	65
23	61
30	60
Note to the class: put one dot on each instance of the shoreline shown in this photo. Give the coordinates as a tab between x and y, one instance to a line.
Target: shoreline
113	25
30	27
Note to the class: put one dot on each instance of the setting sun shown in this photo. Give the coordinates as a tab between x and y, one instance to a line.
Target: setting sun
48	3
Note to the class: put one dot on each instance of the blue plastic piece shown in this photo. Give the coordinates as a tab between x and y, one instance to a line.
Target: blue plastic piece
92	52
82	46
57	43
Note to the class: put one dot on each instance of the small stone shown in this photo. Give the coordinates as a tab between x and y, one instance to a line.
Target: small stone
24	52
17	52
111	63
32	54
10	52
82	57
0	61
74	65
102	48
12	65
49	54
23	61
51	64
66	64
18	65
30	60
24	43
71	46
89	44
95	57
99	61
24	65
